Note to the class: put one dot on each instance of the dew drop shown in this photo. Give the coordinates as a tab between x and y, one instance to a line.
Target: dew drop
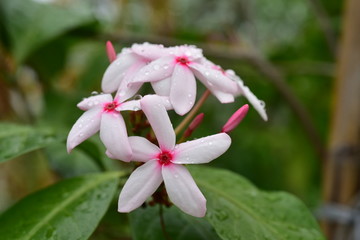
166	66
94	93
210	83
147	73
136	108
80	125
210	143
189	95
207	73
176	175
81	134
137	97
156	67
262	103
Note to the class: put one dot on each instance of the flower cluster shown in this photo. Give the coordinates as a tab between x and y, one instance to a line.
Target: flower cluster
172	73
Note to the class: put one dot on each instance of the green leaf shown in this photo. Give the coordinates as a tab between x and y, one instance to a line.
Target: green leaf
145	224
70	209
16	140
30	24
238	210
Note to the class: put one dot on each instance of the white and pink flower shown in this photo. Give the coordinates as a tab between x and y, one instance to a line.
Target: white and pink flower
164	163
174	74
102	112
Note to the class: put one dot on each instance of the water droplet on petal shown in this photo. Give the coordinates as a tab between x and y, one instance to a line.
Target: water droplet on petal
207	73
94	93
189	95
137	97
80	125
262	103
210	143
147	73
166	66
81	134
156	67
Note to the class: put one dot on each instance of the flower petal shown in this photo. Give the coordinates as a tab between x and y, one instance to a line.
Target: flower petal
94	101
255	102
86	126
213	77
143	149
141	184
155	112
149	51
114	136
116	72
127	90
133	105
156	70
162	87
183	89
222	96
202	150
182	190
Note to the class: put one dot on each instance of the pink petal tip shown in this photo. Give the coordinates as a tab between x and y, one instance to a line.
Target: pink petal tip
110	51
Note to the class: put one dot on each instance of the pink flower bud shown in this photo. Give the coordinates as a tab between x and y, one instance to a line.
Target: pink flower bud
235	119
110	51
193	125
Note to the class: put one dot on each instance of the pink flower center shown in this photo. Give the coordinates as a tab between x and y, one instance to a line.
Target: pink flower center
182	60
109	107
165	157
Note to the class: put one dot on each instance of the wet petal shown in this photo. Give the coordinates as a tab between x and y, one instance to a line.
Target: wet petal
94	101
114	136
182	190
143	149
116	72
148	51
133	105
222	96
183	89
202	150
127	90
86	126
162	87
155	112
213	77
255	102
141	184
157	70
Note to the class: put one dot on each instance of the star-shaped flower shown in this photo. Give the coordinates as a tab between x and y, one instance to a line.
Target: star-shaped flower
103	113
174	74
127	63
164	163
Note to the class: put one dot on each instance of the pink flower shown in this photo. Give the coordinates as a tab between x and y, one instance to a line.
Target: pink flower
173	75
240	90
164	163
128	62
102	113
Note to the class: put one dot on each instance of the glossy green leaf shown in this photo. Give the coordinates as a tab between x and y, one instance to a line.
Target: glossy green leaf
145	224
238	210
16	140
31	24
70	209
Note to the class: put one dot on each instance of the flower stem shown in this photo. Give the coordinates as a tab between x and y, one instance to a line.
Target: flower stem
192	113
162	223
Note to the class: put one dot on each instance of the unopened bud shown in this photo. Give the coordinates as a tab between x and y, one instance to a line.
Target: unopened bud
235	119
110	51
193	125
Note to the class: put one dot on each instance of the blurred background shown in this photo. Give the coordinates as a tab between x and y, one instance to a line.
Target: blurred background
301	57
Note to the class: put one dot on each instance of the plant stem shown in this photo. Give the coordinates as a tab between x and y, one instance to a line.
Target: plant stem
192	113
162	223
